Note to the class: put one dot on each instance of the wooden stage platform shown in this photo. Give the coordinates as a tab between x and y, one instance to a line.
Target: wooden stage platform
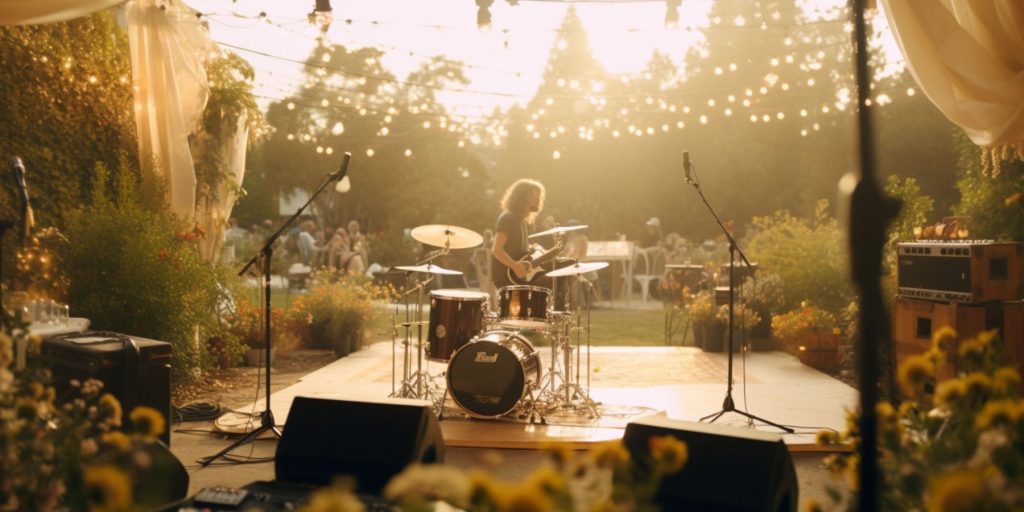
683	383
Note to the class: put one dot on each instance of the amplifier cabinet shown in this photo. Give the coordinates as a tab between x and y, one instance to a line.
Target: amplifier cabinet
915	320
135	377
960	271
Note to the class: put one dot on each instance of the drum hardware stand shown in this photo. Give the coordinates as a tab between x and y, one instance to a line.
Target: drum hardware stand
412	383
265	254
727	405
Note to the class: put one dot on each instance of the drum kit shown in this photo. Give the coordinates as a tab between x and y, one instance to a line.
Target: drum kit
491	368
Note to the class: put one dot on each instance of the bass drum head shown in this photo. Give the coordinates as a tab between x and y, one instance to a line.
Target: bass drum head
487	378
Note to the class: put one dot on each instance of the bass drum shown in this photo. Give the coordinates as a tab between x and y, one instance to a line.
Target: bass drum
488	376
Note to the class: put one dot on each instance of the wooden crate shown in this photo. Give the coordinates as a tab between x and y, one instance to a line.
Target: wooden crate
914	321
818	349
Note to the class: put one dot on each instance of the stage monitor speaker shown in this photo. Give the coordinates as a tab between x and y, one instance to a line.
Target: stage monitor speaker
370	441
728	468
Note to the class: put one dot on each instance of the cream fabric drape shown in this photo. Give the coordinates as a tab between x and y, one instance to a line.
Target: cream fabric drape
29	12
168	50
214	206
968	58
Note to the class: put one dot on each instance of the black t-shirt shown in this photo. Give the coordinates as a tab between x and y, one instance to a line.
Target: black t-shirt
515	245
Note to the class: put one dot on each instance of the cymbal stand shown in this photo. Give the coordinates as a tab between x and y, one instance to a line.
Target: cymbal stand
412	383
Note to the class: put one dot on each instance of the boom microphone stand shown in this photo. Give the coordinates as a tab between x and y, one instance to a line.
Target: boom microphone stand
265	254
728	405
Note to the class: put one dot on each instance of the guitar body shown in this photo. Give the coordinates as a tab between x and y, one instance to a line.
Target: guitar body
533	264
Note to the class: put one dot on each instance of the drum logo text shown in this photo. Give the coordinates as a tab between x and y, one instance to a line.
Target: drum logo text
482	357
487	399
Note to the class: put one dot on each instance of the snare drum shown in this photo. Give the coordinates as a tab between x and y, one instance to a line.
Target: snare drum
523	307
490	375
456	316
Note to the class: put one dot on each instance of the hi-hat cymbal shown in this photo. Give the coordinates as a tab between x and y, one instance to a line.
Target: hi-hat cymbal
557	230
443	235
578	269
430	268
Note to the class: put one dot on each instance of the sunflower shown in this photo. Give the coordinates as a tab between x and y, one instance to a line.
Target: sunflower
107	488
547	480
110	409
1006	380
996	413
117	439
484	491
526	498
334	499
977	385
669	452
958	491
914	373
973	349
610	454
950	392
561	453
944	339
826	437
148	421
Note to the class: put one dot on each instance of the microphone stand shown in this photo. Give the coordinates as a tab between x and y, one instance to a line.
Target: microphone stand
728	405
265	254
4	226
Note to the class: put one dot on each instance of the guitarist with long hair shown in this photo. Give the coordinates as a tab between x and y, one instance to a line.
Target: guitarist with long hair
511	251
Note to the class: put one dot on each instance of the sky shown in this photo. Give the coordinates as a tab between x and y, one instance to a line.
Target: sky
506	62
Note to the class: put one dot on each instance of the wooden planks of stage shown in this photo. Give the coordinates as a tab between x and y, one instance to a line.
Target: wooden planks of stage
683	383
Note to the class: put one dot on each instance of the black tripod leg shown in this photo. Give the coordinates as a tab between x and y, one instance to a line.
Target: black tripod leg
250	437
714	416
762	420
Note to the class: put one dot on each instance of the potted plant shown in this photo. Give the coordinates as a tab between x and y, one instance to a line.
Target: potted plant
335	311
246	324
744	319
764	295
810	333
702	316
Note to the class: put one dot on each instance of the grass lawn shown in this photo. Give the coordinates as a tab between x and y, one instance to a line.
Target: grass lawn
632	327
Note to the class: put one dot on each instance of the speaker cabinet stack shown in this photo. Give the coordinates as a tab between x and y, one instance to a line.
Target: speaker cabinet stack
969	286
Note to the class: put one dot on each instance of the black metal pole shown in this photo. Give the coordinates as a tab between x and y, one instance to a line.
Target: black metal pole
870	214
4	226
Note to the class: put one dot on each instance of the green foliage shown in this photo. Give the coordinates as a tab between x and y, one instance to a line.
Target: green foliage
948	445
336	308
809	255
66	104
914	212
993	203
135	270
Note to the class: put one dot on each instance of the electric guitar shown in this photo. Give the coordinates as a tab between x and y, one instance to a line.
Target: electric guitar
533	263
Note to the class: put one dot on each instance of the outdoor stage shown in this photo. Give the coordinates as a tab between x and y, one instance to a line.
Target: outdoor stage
683	383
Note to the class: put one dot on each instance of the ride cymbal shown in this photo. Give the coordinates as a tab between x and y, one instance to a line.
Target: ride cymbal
558	230
578	269
430	268
443	235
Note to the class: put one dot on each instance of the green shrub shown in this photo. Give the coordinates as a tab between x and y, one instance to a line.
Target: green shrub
137	270
809	255
335	310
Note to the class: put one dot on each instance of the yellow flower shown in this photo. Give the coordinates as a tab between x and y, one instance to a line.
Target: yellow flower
111	409
610	454
484	491
813	506
107	488
996	413
669	452
421	484
561	453
950	392
547	480
147	421
525	498
914	373
826	437
960	491
1006	380
977	385
6	350
974	348
336	498
944	339
117	440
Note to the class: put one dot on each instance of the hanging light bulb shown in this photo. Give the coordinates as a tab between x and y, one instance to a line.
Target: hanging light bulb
483	15
672	14
322	15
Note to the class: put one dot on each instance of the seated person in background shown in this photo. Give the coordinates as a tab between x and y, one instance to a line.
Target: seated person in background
652	235
358	242
341	257
307	244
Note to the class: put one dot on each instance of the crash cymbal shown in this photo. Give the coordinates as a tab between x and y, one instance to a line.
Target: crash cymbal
578	269
430	268
443	235
557	230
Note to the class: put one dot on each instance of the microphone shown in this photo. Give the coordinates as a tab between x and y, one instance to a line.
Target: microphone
343	185
687	166
343	168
